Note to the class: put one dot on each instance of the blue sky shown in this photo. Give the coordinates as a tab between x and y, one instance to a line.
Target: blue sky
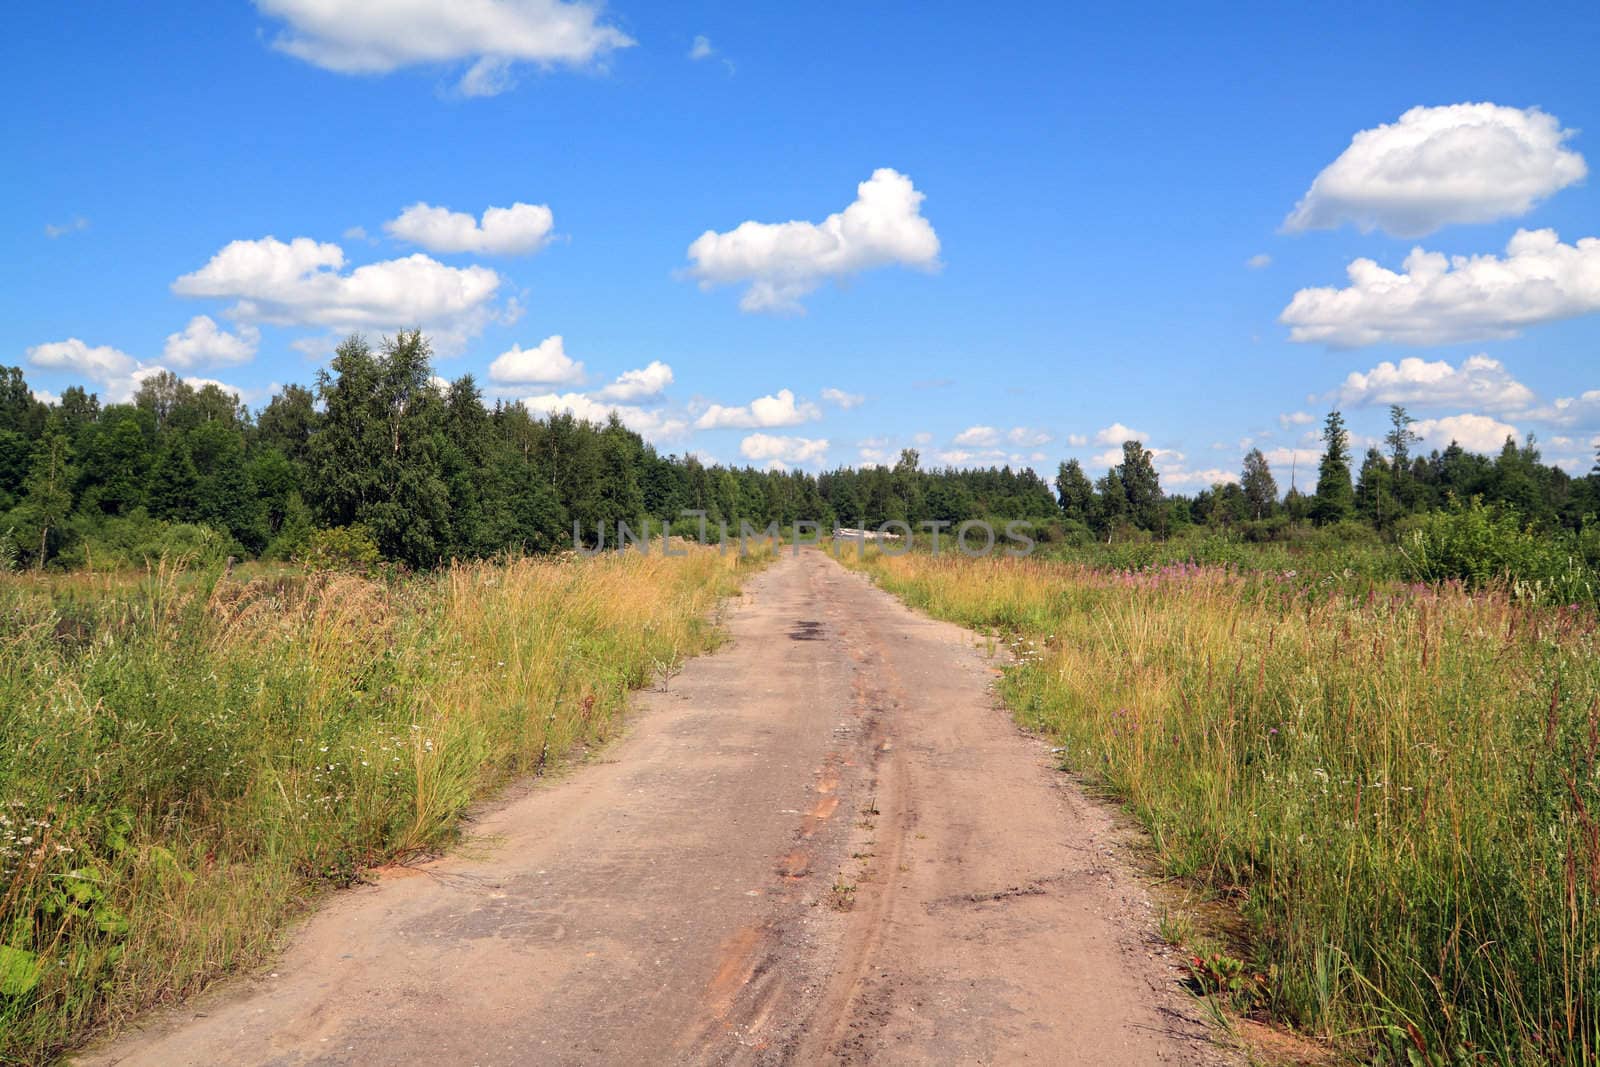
1093	186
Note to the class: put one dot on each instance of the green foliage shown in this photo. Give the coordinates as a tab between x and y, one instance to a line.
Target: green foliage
341	548
1335	496
1484	546
435	475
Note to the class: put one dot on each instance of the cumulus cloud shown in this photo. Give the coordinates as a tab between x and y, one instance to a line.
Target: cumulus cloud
301	282
1179	476
777	450
1077	440
1439	165
1288	463
843	399
371	37
978	436
638	384
116	374
1478	382
1259	261
202	342
650	424
1296	418
1027	436
1568	410
545	363
98	363
1438	299
509	231
785	261
1116	434
1475	433
780	409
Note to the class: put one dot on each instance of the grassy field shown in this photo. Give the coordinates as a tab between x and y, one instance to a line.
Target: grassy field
1393	788
186	759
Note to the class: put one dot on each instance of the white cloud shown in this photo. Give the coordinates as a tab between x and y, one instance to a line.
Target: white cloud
785	451
650	424
1568	410
1292	464
45	396
701	49
1439	299
978	436
1296	418
546	362
116	374
509	231
1117	433
843	399
202	342
98	363
785	261
1479	382
1438	165
1258	261
638	384
1109	458
1077	440
1176	477
1475	433
764	411
300	283
372	37
1027	436
77	225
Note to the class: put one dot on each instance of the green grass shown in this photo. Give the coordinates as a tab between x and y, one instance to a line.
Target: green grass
185	760
1394	787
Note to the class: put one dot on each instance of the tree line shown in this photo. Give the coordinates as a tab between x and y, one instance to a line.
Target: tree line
375	453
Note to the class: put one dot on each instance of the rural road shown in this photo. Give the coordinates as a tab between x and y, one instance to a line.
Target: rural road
824	843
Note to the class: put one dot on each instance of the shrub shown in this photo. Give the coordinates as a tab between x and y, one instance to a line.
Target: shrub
342	548
1483	546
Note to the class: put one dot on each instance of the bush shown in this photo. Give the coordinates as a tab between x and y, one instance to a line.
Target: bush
1483	546
342	548
137	541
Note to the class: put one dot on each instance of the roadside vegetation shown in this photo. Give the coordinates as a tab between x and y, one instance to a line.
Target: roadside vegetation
1391	785
186	758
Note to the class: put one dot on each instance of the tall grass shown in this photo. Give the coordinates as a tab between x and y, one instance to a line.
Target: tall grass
184	759
1397	788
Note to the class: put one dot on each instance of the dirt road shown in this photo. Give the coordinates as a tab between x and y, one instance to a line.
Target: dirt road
823	844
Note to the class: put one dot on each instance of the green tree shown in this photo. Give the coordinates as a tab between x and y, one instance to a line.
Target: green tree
47	493
174	482
1141	486
1375	499
1335	496
375	460
1260	490
1074	492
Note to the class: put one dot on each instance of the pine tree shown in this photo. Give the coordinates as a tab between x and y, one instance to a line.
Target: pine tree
1335	495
